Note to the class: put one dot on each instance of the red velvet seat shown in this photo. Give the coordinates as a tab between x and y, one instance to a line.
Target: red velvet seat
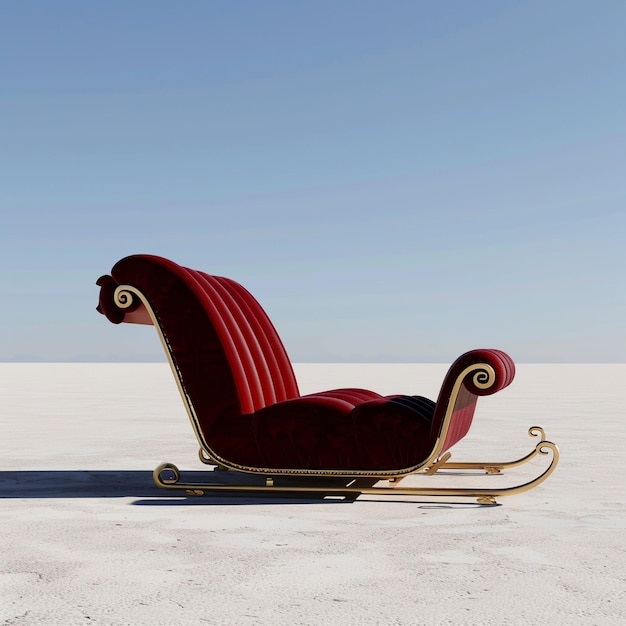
242	396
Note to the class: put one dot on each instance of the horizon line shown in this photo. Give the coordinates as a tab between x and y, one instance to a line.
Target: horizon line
298	362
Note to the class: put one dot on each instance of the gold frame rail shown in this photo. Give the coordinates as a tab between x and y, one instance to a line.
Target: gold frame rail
482	495
494	467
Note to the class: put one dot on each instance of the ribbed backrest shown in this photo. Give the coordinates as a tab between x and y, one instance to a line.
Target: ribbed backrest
221	340
262	370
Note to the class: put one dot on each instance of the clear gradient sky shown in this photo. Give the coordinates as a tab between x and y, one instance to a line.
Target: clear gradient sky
394	181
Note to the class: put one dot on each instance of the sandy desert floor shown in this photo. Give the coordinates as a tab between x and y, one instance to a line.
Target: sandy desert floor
88	539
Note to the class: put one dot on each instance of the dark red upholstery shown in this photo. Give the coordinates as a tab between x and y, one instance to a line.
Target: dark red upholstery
236	372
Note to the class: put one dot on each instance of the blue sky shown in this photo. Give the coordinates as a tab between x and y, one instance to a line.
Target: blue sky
394	181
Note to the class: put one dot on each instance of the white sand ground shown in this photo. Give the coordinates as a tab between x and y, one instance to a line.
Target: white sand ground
86	538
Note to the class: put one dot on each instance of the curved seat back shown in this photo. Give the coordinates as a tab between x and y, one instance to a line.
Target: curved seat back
229	356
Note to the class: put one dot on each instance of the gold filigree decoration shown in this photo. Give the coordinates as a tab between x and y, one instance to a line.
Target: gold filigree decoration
123	297
537	431
166	475
484	378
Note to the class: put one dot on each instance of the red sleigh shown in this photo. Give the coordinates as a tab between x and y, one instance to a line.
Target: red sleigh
240	392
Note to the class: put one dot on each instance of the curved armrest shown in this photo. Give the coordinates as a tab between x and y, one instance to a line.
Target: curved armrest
475	373
497	374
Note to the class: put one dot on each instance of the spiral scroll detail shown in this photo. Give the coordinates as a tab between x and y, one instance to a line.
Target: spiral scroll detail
167	474
123	298
537	431
484	378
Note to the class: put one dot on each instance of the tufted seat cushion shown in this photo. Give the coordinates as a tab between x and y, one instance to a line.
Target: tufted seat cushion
338	429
